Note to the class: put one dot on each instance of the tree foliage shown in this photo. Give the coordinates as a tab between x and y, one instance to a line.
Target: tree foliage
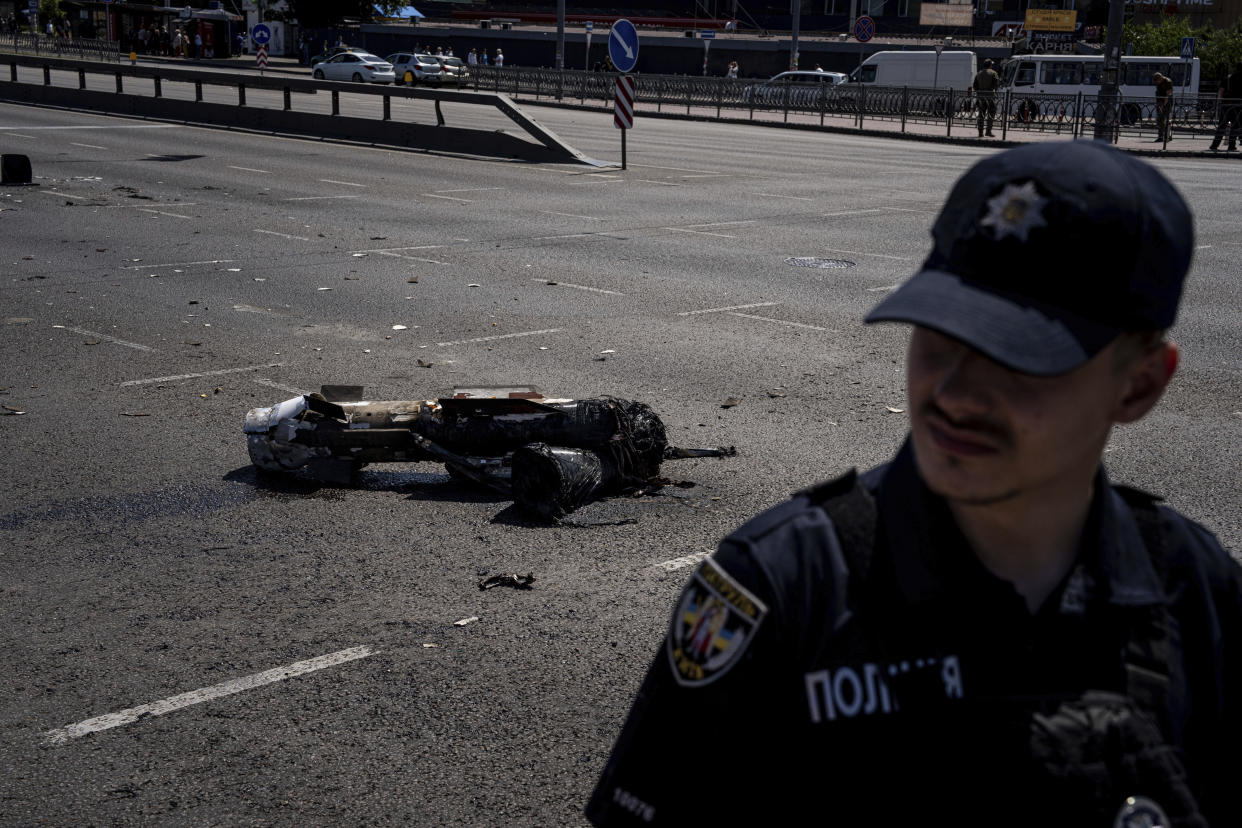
50	10
1218	50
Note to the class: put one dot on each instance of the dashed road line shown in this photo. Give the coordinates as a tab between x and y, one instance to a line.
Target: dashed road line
580	287
723	223
107	338
198	374
568	215
249	169
875	255
282	235
175	264
700	232
449	198
776	195
470	190
227	688
855	212
884	289
396	249
409	258
730	308
499	336
342	183
271	384
88	146
319	198
163	213
19	135
675	169
681	563
781	322
661	183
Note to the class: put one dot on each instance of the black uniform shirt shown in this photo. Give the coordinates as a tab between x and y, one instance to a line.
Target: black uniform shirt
789	691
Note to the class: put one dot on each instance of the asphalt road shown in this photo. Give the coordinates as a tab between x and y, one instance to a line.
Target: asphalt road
162	279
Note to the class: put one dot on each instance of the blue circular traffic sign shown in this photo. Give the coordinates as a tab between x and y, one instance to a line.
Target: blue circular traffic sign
261	34
623	45
864	29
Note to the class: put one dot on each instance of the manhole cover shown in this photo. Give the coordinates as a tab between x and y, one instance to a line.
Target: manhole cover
812	261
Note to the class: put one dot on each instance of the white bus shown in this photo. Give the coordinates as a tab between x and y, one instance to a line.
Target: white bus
1068	75
1071	74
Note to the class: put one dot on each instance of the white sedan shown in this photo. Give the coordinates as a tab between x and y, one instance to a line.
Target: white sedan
358	67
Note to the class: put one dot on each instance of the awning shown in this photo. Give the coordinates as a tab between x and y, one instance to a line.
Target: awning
405	13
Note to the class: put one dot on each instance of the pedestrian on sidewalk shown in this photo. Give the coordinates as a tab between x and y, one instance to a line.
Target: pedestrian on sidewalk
985	84
1164	105
732	73
1230	102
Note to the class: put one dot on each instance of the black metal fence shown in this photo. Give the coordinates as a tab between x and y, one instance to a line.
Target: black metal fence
60	47
1190	116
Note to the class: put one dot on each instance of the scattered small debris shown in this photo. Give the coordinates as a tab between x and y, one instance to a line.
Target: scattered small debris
550	282
366	350
18	320
101	250
91	342
323	288
543	347
428	646
260	279
27	258
359	255
463	622
422	364
730	403
231	269
413	280
11	411
515	581
474	284
895	410
776	394
609	351
379	238
192	342
219	388
134	414
399	327
193	301
204	396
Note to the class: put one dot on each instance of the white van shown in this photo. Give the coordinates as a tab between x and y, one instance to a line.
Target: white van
956	70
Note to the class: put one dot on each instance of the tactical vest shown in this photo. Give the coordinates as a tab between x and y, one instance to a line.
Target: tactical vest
1108	745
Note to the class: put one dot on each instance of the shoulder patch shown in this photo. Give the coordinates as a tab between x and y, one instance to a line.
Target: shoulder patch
714	621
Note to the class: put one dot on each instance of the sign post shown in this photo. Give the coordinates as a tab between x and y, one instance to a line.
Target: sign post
261	35
936	76
623	45
1188	55
706	35
623	110
586	60
864	30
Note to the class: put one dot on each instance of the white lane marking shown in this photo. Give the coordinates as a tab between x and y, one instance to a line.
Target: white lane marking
162	213
19	135
319	198
855	212
63	194
270	384
681	563
175	264
709	175
661	183
409	258
730	308
448	198
394	249
723	223
218	373
781	322
568	215
107	338
249	169
883	289
282	235
470	190
88	146
566	236
775	195
912	210
342	183
227	688
700	232
140	207
1202	246
677	169
103	126
875	255
580	287
501	336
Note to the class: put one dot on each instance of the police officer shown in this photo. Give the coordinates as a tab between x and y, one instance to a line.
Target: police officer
1230	102
985	630
1164	105
985	84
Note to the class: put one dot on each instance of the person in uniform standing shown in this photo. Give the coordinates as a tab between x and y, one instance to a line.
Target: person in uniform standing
1164	105
984	630
985	84
1230	102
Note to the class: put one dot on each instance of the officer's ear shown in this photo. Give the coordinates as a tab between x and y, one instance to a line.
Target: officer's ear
1145	363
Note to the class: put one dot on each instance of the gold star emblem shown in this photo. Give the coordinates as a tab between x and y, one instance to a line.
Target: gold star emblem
1016	211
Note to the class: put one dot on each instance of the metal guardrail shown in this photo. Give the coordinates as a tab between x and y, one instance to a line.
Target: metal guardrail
1072	115
62	47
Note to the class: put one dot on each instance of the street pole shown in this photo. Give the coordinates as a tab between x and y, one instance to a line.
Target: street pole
1106	101
796	11
560	48
707	47
853	15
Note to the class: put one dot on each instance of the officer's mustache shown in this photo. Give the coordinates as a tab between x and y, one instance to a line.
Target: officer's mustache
988	429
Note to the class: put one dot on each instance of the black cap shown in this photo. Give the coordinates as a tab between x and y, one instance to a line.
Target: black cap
1046	253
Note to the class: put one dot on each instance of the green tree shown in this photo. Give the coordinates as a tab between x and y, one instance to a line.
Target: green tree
1218	50
50	10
